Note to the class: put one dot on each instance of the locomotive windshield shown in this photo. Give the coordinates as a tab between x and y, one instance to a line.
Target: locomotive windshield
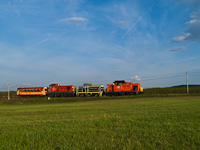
135	88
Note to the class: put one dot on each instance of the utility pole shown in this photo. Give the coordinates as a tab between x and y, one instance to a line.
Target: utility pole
187	82
8	91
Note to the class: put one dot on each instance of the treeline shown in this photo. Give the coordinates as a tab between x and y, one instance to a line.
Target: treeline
5	94
182	89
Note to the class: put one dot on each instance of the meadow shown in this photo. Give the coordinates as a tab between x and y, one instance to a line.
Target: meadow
101	123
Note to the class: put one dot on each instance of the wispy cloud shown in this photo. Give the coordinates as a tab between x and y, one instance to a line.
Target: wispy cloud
177	49
139	19
196	15
122	22
76	20
39	43
191	3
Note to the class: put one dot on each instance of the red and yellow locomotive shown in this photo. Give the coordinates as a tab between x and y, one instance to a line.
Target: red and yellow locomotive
56	90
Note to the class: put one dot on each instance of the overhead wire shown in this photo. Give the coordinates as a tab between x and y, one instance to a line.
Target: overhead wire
182	73
102	82
162	78
194	74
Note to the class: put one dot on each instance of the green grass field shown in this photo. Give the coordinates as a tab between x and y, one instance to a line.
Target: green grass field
137	123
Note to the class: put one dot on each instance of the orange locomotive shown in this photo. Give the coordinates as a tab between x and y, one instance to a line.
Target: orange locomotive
123	88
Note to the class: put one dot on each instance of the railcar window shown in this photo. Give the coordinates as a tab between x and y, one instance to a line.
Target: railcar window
119	83
80	90
68	88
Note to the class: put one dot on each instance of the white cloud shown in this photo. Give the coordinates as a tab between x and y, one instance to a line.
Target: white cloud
181	38
74	19
192	21
135	78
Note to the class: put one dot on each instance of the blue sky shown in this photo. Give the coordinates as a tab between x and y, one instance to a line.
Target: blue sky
78	41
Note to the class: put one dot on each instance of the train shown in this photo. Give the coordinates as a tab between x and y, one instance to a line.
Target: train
119	87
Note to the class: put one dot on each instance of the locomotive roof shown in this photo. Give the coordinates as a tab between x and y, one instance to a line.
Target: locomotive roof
119	81
59	85
31	87
54	84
